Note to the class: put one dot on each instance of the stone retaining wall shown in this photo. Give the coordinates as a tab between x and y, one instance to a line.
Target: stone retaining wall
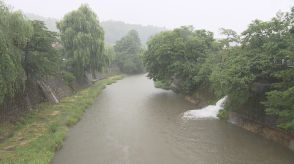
274	134
50	89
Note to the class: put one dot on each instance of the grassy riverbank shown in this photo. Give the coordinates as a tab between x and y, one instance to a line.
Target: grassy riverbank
38	135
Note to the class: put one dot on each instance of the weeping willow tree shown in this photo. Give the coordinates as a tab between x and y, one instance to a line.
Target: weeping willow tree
15	32
25	52
83	41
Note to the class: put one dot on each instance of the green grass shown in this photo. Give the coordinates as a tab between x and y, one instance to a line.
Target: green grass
39	134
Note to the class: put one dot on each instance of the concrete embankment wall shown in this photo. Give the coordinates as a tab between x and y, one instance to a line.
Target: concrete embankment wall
50	89
14	107
284	138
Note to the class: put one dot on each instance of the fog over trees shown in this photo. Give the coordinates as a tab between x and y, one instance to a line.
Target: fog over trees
114	30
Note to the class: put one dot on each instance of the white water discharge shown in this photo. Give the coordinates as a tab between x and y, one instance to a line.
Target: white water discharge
209	111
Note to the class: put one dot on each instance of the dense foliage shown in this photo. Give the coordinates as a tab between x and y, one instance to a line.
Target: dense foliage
39	57
128	51
176	57
25	50
28	49
83	41
110	54
255	69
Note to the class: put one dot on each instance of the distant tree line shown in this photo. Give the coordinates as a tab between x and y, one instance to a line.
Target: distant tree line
240	66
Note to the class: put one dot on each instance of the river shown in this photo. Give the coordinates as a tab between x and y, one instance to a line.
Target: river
131	122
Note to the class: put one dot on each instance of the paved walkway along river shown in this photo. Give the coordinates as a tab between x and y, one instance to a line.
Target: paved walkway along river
134	123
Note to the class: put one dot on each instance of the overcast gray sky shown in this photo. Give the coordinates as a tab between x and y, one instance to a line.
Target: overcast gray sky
208	14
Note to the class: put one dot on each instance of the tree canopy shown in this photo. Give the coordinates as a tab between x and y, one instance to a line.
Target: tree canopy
176	57
83	41
25	50
266	47
39	57
255	69
128	51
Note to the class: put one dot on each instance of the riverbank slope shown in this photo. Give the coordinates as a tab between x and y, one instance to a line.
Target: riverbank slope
38	134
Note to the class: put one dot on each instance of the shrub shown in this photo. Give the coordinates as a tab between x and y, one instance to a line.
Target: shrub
223	114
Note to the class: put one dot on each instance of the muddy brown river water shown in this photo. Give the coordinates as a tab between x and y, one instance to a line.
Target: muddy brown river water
132	122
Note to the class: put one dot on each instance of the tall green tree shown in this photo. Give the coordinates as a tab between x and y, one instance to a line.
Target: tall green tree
128	51
175	57
280	99
15	32
256	73
110	55
39	57
25	51
83	41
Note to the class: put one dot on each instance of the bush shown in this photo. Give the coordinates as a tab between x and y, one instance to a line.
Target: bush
223	114
162	84
68	77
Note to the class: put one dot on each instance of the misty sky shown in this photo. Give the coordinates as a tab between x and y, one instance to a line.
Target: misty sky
208	14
